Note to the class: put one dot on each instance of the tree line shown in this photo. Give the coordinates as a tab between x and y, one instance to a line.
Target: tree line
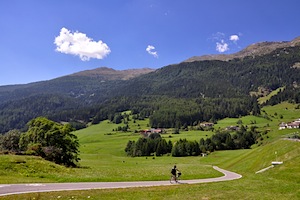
221	140
148	146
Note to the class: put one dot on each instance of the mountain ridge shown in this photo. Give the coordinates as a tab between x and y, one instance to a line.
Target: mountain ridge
256	49
107	73
112	74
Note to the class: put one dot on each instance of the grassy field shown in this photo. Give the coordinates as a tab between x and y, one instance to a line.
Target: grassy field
104	159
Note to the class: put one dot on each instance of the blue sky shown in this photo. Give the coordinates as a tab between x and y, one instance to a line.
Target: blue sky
42	40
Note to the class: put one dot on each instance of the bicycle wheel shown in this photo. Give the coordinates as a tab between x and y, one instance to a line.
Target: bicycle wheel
172	179
177	179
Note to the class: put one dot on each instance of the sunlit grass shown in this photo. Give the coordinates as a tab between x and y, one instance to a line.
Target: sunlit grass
104	159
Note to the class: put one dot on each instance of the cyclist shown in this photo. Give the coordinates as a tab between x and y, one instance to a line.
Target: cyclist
175	173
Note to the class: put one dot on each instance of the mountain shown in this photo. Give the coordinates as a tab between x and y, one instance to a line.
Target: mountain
190	92
176	95
105	73
75	85
20	103
256	49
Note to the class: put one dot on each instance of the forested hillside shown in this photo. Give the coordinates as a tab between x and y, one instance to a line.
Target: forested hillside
191	92
21	103
172	96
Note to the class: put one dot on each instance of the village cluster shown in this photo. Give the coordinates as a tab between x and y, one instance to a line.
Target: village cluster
293	124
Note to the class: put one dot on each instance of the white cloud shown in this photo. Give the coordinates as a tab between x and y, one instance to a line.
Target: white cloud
222	46
234	38
80	45
150	49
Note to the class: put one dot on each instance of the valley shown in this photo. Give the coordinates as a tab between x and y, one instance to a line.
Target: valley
104	159
107	108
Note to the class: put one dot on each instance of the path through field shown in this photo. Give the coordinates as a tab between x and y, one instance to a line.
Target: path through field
10	189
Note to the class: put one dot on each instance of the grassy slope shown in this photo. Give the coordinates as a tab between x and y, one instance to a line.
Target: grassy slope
103	152
264	99
20	169
281	182
103	159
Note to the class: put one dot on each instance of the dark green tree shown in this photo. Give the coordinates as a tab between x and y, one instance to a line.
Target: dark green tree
10	141
229	143
162	147
53	141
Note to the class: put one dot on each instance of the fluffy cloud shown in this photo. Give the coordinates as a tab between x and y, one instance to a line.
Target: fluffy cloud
150	49
80	45
222	46
223	42
234	38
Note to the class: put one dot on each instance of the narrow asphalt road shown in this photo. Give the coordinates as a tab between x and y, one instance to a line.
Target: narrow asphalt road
10	189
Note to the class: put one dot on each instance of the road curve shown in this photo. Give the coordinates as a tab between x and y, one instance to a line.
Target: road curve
11	189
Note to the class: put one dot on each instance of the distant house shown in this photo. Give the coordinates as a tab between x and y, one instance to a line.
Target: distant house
297	120
232	128
293	125
207	124
156	130
282	125
148	132
290	125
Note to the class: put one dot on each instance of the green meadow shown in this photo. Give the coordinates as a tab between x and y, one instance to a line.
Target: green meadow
103	159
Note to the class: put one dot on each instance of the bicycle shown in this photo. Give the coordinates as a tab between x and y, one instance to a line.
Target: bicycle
173	180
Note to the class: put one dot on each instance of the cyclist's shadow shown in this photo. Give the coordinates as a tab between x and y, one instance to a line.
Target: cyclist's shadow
180	182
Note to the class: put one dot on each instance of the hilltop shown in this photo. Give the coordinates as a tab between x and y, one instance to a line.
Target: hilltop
20	103
106	73
257	49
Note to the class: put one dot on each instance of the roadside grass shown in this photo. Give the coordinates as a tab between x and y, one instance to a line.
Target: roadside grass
101	169
248	189
25	169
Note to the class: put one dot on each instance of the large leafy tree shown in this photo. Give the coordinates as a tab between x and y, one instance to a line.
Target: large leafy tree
52	141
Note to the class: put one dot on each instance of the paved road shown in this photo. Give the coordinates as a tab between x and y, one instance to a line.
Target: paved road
10	189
